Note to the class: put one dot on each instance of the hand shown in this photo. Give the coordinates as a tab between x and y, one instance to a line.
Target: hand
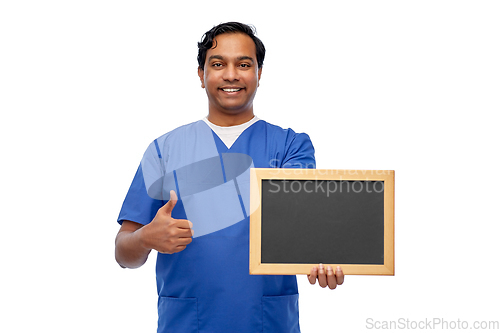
166	234
329	278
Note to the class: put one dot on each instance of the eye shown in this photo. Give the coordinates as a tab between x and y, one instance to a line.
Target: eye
217	64
245	65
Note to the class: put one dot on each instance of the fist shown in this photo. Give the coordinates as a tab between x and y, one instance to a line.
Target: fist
166	234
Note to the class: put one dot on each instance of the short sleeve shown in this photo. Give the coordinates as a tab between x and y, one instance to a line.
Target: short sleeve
299	153
144	198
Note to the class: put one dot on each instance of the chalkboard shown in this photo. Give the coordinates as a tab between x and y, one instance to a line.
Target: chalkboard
303	217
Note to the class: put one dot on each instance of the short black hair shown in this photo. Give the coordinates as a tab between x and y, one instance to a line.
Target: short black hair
208	39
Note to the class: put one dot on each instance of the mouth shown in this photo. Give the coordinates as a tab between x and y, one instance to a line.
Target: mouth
231	90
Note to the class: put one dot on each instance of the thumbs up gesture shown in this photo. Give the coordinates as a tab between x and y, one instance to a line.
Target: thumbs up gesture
166	234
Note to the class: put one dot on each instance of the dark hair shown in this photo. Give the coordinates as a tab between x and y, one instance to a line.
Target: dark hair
208	39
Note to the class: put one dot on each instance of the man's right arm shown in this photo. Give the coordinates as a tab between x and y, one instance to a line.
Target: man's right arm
164	234
129	251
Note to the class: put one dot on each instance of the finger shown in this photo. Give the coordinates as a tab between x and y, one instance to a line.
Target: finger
176	245
183	241
179	228
339	275
171	250
322	276
183	224
332	281
314	274
169	206
179	248
184	228
182	233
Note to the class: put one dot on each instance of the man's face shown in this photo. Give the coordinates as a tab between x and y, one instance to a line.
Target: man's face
231	75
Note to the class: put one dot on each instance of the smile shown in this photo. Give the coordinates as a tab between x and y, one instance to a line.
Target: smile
231	89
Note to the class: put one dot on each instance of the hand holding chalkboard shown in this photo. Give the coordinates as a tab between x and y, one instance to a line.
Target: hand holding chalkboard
327	277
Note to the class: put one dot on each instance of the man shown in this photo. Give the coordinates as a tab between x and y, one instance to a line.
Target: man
201	169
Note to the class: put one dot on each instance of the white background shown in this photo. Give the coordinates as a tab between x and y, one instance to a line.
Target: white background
85	86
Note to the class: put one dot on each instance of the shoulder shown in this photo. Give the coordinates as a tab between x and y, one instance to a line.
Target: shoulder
175	136
293	149
181	131
285	135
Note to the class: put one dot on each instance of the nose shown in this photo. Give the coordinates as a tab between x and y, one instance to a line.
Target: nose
230	73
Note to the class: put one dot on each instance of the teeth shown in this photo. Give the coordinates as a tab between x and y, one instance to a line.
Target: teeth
232	90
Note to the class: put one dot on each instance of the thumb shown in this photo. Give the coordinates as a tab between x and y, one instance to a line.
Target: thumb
169	206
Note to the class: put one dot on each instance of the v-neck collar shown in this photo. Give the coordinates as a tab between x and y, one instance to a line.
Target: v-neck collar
221	146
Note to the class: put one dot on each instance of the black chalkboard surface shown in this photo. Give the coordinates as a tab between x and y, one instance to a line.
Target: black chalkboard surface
336	217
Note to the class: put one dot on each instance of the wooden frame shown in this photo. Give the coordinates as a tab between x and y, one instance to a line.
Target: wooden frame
256	180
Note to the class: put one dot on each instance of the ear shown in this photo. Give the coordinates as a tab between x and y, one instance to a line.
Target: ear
201	75
259	72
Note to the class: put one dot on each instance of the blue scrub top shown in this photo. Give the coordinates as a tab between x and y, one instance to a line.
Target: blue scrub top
207	287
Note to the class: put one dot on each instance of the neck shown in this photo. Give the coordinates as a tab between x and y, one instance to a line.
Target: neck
230	119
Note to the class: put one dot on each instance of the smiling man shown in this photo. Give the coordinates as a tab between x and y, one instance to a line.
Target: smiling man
189	200
231	76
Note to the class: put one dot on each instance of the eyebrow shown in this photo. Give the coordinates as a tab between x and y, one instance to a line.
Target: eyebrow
219	57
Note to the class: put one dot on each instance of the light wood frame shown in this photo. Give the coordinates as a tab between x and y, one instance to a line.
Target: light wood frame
256	177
